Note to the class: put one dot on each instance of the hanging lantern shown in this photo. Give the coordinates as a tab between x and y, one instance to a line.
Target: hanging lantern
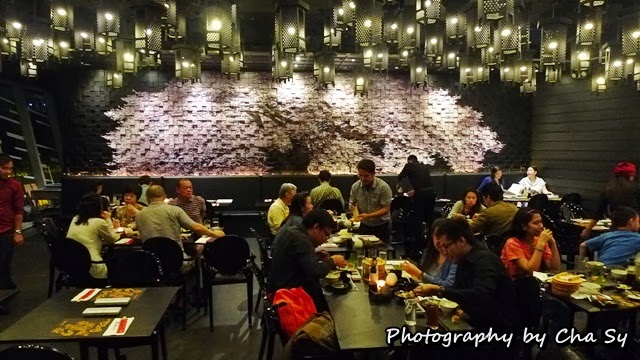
60	45
233	63
630	27
417	70
429	11
380	59
589	28
346	14
450	60
324	70
15	30
434	44
113	79
598	82
392	27
490	56
281	65
148	28
61	15
361	82
614	62
367	56
170	20
410	32
507	38
108	19
28	68
479	35
35	47
331	32
580	61
456	26
290	26
553	48
127	57
496	10
368	23
219	28
187	63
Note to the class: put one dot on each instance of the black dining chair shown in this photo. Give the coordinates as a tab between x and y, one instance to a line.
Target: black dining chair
529	304
539	202
570	211
33	352
446	209
265	265
495	243
332	204
171	257
226	262
270	327
267	230
73	259
139	268
51	234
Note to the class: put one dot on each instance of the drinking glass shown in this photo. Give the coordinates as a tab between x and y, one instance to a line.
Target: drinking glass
216	223
382	254
433	313
360	258
207	223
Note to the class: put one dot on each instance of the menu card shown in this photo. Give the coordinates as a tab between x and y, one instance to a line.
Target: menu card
118	326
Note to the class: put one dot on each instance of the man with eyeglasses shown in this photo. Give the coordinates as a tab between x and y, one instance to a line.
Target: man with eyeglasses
295	261
482	286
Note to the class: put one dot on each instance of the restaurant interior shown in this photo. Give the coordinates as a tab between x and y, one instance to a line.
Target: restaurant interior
241	98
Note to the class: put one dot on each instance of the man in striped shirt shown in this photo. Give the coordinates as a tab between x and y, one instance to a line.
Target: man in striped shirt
193	205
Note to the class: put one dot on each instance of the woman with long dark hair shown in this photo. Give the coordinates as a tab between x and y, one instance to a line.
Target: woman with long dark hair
469	205
92	227
495	177
621	191
531	247
435	268
300	206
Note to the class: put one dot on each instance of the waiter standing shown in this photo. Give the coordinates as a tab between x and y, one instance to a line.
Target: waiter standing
422	193
11	212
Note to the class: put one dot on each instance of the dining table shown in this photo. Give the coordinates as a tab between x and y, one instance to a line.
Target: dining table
59	319
360	322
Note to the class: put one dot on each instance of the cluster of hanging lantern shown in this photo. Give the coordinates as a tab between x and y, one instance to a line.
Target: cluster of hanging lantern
492	37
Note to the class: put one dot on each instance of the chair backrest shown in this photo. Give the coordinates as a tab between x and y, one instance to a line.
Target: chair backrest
528	297
72	258
446	209
261	276
538	202
332	204
272	318
547	222
33	352
265	223
168	252
265	258
573	198
572	211
138	268
228	255
400	202
495	243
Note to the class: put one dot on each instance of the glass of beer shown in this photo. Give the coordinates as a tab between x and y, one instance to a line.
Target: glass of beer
433	314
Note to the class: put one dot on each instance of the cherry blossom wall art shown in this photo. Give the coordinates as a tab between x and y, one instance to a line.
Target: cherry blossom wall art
225	126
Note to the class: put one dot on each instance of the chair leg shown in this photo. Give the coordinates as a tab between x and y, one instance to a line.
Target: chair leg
184	307
163	341
255	309
210	303
271	340
52	275
249	295
154	347
263	342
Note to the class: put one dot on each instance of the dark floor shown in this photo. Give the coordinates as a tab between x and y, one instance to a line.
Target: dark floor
232	337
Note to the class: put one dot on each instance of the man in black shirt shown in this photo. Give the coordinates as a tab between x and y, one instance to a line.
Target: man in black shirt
482	287
295	261
418	176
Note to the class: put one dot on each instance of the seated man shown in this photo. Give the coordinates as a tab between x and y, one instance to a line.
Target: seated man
372	197
126	213
497	217
295	261
619	245
481	287
325	191
161	219
193	205
279	210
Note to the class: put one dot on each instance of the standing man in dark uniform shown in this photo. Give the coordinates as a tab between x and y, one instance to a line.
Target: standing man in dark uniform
424	198
11	212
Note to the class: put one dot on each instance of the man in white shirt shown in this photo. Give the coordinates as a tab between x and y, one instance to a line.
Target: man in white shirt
279	210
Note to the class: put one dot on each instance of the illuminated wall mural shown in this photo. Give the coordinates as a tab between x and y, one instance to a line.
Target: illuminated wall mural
254	126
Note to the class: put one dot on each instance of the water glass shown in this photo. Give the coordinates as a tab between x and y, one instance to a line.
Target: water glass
360	258
410	306
216	223
382	254
433	313
207	223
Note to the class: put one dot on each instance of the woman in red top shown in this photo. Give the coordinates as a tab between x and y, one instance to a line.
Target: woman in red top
531	248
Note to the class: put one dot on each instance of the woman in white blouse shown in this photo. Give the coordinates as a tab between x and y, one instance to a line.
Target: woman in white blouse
533	183
92	227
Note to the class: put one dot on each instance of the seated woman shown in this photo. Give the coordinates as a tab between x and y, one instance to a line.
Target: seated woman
496	177
300	206
469	206
531	248
533	183
435	268
126	213
92	227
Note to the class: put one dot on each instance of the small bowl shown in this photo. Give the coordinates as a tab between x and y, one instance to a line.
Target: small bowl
619	275
595	265
339	288
448	306
333	276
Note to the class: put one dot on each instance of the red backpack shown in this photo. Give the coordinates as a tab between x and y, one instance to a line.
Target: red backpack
298	309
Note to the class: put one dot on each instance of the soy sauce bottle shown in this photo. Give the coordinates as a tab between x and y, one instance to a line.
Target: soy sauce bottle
373	278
